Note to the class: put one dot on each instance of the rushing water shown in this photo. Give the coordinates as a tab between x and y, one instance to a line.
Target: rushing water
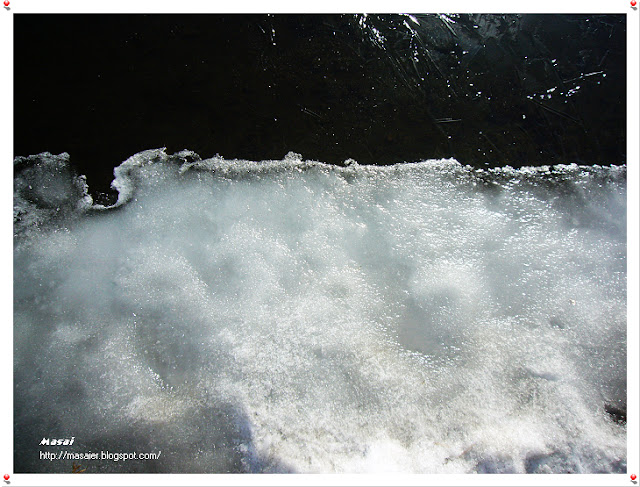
486	89
291	316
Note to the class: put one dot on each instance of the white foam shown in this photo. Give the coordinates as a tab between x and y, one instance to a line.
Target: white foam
293	316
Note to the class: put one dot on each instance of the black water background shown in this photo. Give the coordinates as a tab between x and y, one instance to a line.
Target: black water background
379	89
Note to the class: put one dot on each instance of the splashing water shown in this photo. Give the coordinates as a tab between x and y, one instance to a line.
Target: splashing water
291	316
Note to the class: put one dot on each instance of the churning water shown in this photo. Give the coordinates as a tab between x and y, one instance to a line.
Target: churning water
291	316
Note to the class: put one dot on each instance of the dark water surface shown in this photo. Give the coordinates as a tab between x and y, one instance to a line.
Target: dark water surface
488	90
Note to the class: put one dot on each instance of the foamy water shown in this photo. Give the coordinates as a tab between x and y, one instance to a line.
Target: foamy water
291	316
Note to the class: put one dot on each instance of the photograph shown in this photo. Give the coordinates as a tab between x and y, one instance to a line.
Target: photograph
392	244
